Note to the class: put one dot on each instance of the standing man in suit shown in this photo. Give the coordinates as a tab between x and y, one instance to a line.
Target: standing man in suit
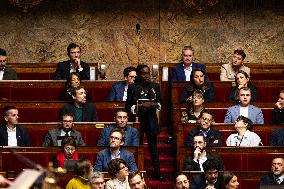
84	111
228	71
200	155
182	71
6	72
276	176
244	108
54	137
210	179
75	64
131	133
12	134
116	140
119	90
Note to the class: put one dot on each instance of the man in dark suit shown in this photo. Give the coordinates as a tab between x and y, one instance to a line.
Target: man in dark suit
119	89
277	173
6	72
64	69
148	94
210	179
212	137
200	156
121	119
12	134
116	140
54	137
182	71
84	111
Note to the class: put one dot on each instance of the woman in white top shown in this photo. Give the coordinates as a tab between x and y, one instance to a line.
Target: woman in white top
244	135
119	172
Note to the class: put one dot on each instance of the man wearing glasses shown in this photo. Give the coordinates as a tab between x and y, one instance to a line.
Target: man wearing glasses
121	119
54	137
114	151
212	137
6	72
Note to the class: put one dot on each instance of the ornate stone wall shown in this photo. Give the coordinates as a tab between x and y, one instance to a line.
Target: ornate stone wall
107	34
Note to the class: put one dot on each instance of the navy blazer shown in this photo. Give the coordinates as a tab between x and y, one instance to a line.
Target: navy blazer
199	182
277	138
63	71
23	138
211	136
89	111
178	73
117	91
131	136
268	180
104	157
254	114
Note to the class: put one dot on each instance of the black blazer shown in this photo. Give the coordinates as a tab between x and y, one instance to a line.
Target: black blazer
89	111
22	135
199	182
147	116
191	165
63	71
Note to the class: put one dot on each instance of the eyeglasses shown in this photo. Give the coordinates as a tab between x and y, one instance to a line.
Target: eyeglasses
114	138
68	149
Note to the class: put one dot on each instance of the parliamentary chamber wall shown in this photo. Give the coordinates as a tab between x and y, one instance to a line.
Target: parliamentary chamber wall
120	33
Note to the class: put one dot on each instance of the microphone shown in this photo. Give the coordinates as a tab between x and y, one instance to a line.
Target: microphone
138	28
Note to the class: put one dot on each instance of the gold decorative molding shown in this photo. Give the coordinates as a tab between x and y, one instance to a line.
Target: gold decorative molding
200	5
25	5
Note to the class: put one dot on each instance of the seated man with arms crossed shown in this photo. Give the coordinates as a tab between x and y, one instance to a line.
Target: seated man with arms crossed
12	134
121	119
54	137
116	140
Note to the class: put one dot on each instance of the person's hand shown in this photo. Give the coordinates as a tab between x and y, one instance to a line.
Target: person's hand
278	105
197	153
210	187
4	182
215	141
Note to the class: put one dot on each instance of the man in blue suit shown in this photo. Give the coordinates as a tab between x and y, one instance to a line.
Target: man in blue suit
276	176
244	108
64	68
121	119
182	71
116	140
119	89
